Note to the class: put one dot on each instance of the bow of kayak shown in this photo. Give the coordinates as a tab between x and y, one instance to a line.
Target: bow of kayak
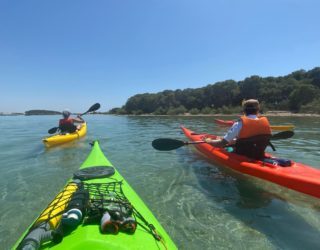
147	234
297	176
64	138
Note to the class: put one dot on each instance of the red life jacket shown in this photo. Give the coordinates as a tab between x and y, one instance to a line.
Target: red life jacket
66	121
66	126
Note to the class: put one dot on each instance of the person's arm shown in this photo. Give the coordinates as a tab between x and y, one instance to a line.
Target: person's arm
229	137
219	143
78	119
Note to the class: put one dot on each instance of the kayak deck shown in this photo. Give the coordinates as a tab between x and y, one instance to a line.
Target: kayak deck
61	139
299	177
89	236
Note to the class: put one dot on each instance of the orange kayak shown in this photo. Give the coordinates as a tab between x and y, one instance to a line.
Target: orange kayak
229	123
224	122
295	176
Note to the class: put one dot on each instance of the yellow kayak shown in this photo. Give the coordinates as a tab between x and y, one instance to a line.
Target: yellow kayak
282	127
60	139
229	123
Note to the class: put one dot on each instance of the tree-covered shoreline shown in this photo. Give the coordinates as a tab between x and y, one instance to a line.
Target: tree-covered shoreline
42	112
298	92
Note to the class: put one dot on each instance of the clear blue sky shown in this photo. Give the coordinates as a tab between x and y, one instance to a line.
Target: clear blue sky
72	53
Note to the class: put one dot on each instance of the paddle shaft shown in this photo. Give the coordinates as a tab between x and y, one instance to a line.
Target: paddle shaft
193	142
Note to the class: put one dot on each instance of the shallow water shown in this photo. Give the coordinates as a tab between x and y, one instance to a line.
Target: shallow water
201	205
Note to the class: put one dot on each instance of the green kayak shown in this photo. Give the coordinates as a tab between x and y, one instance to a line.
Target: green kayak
97	209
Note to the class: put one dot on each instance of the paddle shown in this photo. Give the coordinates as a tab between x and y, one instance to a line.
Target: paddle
167	144
282	135
53	130
94	107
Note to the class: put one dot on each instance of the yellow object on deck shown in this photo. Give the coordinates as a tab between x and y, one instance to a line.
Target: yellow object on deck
53	213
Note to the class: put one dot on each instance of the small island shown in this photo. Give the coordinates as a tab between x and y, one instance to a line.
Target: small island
10	114
42	112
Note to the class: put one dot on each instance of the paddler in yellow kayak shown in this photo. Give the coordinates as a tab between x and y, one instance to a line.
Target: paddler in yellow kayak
67	124
249	135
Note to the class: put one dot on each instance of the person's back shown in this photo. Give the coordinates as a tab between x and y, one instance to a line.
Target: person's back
253	137
250	135
66	125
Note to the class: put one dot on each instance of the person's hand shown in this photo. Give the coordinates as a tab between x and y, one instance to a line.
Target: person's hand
208	140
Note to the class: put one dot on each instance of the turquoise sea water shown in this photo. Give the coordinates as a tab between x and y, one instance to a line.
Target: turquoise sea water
201	205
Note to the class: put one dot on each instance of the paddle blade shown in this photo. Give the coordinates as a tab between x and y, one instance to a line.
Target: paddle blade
282	135
92	108
166	144
53	130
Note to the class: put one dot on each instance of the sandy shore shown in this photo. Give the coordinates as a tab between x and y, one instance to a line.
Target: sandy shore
285	113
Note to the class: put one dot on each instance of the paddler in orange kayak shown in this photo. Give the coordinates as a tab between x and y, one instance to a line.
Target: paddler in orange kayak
249	135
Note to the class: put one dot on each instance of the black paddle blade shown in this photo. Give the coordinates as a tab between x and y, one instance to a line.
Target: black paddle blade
166	144
94	107
53	130
282	135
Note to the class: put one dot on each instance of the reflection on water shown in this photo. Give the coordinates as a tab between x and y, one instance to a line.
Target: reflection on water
201	205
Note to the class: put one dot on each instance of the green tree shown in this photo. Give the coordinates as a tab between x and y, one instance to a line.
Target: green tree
302	95
194	111
160	111
290	92
311	107
206	110
250	87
